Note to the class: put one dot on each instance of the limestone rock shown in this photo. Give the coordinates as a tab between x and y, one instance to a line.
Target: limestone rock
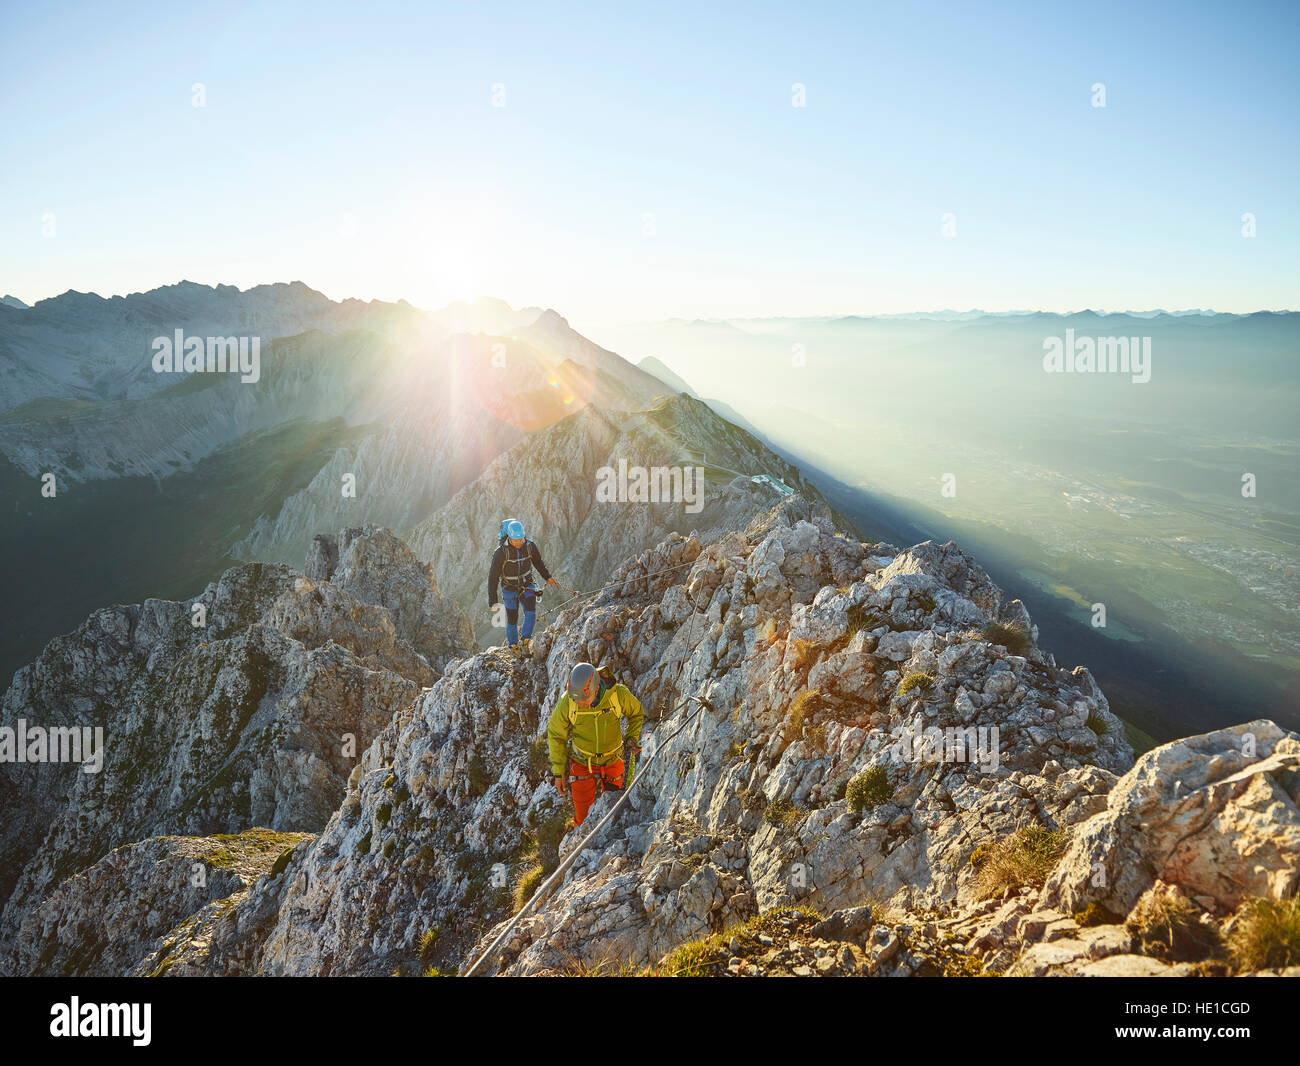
253	717
800	786
1215	814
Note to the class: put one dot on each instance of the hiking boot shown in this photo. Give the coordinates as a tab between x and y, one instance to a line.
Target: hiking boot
527	645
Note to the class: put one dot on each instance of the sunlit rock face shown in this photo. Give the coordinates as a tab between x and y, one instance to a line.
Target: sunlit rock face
243	707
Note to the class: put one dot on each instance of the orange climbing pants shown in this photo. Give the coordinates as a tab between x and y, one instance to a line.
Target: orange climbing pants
585	785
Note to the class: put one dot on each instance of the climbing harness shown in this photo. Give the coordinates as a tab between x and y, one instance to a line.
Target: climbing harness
545	887
519	563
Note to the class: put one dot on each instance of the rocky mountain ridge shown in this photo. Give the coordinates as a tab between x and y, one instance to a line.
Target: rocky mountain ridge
835	812
241	707
549	482
361	413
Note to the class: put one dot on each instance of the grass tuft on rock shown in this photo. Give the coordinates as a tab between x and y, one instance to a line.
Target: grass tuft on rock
1266	935
1168	926
1012	636
707	957
801	710
528	885
539	756
427	943
1093	914
783	814
1096	723
869	789
1025	857
915	680
860	617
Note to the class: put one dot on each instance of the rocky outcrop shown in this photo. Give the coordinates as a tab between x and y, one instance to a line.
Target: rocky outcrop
433	424
102	921
245	706
802	637
551	483
843	740
1214	814
1153	883
375	567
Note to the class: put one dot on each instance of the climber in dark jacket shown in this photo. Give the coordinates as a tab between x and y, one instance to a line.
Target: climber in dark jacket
512	567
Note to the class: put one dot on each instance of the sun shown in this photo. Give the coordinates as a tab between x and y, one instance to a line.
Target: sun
453	248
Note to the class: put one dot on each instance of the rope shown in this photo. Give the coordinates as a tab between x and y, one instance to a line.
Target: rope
612	585
568	861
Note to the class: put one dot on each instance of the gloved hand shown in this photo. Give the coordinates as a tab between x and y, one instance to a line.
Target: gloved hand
632	748
559	785
494	607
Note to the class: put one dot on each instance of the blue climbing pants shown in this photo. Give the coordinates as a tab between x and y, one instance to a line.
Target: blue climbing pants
512	600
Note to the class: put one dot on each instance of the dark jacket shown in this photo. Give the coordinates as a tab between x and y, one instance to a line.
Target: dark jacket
513	568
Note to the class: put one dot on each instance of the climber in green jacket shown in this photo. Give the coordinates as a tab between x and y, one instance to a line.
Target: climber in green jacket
587	736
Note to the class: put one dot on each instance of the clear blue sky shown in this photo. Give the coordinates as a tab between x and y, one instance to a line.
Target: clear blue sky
355	147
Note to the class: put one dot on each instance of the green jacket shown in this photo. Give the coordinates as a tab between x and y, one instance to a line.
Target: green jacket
596	730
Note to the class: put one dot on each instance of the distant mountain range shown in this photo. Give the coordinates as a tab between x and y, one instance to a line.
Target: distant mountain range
948	315
1117	486
291	699
435	424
